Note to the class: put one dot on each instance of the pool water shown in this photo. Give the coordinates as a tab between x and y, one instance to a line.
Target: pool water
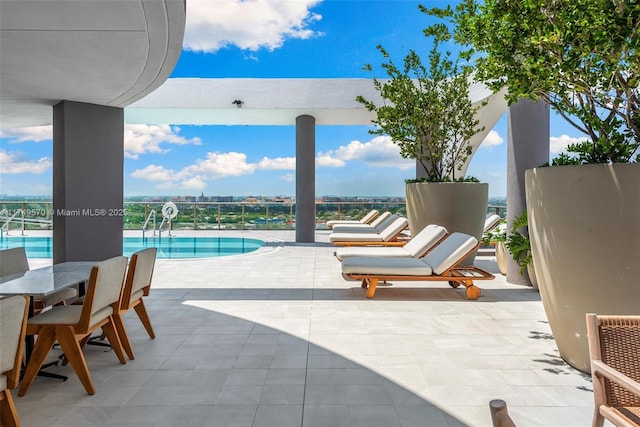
168	247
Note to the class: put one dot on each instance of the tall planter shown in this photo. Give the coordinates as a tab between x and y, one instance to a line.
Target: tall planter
457	206
502	255
584	225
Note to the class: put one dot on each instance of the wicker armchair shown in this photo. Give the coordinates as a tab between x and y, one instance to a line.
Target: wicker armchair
614	349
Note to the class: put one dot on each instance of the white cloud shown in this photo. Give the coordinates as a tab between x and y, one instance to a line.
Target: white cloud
194	177
247	24
34	133
279	163
155	173
14	163
288	177
220	165
141	139
138	139
558	144
492	139
326	160
380	151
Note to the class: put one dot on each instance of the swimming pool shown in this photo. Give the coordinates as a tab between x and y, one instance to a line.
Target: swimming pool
168	247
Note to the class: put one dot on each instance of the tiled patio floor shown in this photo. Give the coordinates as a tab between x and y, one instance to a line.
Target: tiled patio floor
279	338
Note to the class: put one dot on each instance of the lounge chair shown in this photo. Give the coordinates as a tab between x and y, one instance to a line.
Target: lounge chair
441	264
375	227
387	237
364	220
417	247
490	222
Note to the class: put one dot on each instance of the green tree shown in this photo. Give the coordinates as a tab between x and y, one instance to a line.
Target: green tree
582	57
426	109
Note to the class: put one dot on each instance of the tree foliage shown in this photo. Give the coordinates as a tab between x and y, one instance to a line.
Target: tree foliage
426	109
580	56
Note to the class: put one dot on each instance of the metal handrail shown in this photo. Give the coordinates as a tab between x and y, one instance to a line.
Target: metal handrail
221	215
144	227
5	226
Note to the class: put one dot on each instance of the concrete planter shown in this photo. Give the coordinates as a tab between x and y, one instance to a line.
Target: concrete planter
458	206
584	225
502	255
531	271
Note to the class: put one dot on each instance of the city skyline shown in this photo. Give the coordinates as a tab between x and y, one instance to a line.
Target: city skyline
303	39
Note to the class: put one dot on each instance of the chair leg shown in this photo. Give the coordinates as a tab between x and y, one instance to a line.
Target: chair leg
124	337
71	347
46	338
110	331
598	419
144	317
8	412
372	287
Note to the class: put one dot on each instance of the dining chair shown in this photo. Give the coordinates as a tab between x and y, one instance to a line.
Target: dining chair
13	328
137	285
614	352
72	324
14	261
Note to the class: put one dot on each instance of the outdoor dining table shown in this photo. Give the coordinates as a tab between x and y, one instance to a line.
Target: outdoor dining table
41	282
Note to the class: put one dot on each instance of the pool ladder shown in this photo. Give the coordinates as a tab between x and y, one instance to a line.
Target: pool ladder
152	215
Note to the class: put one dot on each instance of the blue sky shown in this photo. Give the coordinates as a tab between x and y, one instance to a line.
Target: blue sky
270	39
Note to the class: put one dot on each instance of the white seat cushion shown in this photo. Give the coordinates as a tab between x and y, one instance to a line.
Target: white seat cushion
491	221
3	382
372	251
61	315
137	295
425	240
354	228
61	295
68	315
386	266
394	229
452	250
355	237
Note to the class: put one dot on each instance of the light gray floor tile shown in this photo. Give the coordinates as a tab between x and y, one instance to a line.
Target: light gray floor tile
281	338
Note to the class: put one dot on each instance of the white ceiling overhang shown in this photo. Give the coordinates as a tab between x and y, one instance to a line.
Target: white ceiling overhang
106	52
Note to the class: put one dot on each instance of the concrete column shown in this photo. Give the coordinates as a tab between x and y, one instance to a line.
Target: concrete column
305	179
88	150
527	147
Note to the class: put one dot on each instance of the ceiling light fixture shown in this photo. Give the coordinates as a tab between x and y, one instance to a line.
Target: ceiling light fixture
238	103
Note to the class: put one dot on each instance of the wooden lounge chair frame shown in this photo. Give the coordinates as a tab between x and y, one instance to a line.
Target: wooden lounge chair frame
456	275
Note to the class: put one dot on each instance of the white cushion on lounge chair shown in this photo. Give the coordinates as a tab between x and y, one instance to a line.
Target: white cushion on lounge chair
365	219
415	248
440	259
491	221
355	237
386	235
425	240
366	228
450	251
372	251
386	266
394	229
